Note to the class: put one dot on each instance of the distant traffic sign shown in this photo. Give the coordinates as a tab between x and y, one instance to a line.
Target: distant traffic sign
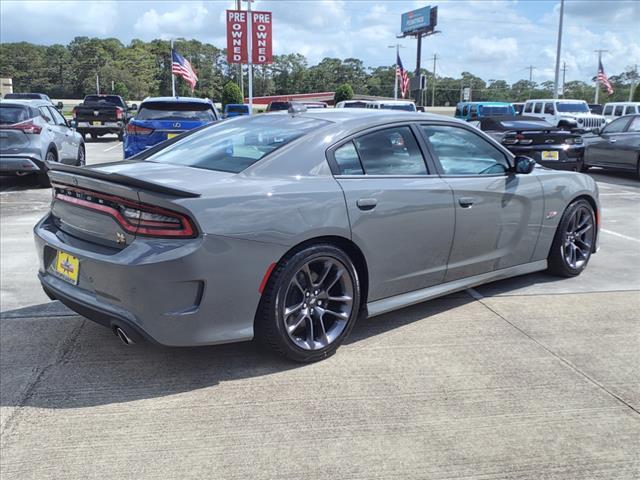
416	20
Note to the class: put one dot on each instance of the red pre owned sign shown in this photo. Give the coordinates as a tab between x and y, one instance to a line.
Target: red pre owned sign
237	37
261	37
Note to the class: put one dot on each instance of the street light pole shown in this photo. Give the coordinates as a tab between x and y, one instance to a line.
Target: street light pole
433	82
250	53
557	77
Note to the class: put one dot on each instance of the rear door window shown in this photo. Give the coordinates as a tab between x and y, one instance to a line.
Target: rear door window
608	110
619	110
528	108
392	151
538	108
59	119
46	114
548	108
347	159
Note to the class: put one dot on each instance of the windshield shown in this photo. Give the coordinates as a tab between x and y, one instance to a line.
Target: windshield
409	107
243	109
27	96
355	105
10	114
580	107
234	145
197	112
110	99
494	110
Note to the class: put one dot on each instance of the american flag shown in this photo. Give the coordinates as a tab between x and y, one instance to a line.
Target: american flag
403	76
180	66
603	79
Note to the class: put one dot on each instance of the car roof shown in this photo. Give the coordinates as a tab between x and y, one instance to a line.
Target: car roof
391	102
622	103
27	102
556	100
177	100
497	104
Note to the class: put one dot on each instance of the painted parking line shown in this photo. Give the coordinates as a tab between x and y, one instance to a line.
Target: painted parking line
616	234
111	148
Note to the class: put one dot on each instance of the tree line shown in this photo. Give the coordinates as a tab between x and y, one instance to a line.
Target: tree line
142	69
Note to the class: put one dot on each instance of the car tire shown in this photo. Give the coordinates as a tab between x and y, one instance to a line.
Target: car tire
574	240
81	161
310	303
581	166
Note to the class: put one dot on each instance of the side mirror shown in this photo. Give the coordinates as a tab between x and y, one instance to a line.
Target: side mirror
524	164
596	131
73	124
134	106
60	106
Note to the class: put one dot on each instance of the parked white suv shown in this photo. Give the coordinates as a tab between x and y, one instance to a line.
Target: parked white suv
613	110
564	113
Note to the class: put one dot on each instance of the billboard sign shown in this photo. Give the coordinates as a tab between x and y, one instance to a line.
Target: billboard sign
237	36
416	20
261	38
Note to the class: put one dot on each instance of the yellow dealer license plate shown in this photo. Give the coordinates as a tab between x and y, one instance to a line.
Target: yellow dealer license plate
549	155
171	135
96	124
67	267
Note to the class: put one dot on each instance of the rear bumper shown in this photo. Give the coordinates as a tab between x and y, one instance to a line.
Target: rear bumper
13	164
112	127
192	292
567	157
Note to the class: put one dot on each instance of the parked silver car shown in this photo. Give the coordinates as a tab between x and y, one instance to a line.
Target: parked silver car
288	226
33	134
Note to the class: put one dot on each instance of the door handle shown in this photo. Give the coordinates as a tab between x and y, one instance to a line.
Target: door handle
367	203
612	140
466	202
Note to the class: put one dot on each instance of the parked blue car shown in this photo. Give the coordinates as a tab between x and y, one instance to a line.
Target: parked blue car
474	111
235	110
161	118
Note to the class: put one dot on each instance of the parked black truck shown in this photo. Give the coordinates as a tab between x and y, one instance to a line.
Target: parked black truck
102	114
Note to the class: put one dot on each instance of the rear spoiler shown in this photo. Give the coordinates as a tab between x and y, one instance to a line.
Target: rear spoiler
121	180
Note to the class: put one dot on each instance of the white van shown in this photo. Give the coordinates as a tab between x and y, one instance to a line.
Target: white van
406	105
564	113
613	110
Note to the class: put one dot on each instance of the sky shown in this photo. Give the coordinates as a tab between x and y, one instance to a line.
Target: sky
494	39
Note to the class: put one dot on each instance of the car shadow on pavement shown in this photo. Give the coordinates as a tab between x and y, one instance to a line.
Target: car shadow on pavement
15	183
615	178
66	361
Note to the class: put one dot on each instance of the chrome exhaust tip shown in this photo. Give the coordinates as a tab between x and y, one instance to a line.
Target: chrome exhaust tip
124	338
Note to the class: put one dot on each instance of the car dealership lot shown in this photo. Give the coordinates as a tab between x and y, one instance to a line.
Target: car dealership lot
532	377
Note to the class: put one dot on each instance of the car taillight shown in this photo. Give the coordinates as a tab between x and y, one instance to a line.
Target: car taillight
509	140
119	113
27	127
134	217
573	140
74	112
133	129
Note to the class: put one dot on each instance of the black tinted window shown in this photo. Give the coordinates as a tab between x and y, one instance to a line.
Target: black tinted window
347	159
617	126
619	110
393	151
108	99
234	145
10	114
537	108
462	152
176	111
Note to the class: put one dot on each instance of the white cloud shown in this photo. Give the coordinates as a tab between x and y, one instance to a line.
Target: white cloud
182	21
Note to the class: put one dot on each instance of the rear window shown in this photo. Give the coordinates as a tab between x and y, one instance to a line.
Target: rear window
490	111
234	145
108	99
198	112
237	109
10	114
355	105
408	107
275	106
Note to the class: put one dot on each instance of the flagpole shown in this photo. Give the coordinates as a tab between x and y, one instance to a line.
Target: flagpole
173	77
250	54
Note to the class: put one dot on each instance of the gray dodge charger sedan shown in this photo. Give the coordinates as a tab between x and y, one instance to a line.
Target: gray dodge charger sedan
288	227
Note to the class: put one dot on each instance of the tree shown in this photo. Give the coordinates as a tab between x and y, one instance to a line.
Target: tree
231	94
343	92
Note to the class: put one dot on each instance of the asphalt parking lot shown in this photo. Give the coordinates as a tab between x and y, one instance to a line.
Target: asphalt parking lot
533	377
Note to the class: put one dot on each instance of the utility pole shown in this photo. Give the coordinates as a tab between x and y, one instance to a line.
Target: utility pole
173	77
531	68
397	46
564	76
633	83
97	84
433	81
557	77
599	52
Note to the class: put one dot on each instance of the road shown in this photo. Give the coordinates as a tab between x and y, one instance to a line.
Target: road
533	377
